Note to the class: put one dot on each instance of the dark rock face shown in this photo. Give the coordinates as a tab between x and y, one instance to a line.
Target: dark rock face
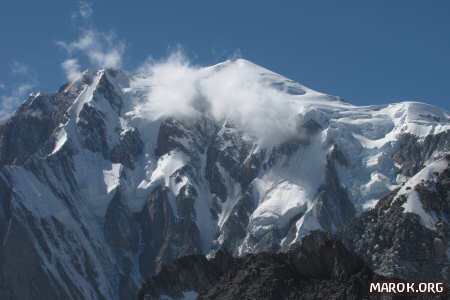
321	256
92	128
397	244
234	155
130	146
121	233
168	222
107	90
335	208
234	229
165	237
412	154
38	117
5	208
320	267
23	276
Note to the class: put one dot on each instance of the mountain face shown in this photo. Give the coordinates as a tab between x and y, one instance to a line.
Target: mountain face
103	182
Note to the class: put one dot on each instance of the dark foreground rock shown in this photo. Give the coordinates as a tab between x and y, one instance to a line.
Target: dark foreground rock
321	267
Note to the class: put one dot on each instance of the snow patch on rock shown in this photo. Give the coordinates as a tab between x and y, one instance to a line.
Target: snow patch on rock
413	203
61	138
112	177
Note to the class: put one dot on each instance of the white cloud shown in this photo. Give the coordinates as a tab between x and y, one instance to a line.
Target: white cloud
9	103
13	96
71	68
103	50
173	87
24	88
85	9
19	68
2	86
234	91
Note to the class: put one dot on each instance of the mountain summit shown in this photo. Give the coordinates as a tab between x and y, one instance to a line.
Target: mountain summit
117	174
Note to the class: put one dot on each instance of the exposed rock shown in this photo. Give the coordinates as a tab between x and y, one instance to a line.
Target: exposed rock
23	275
38	117
320	267
412	153
92	128
397	244
128	149
165	237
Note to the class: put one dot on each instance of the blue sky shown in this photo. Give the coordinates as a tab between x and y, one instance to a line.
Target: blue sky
368	52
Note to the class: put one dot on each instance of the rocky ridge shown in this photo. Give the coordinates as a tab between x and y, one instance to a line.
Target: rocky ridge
320	267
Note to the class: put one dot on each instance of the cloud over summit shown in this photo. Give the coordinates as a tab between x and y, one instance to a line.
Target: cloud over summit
236	91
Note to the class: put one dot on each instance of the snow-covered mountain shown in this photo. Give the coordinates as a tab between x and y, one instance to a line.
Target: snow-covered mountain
116	174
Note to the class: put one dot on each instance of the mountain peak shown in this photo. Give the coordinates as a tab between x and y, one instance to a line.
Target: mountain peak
117	174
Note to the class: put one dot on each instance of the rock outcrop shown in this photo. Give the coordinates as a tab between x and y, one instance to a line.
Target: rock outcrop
320	267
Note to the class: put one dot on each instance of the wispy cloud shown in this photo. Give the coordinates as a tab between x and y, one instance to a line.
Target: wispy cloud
25	80
102	49
85	10
10	102
19	68
2	86
71	68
